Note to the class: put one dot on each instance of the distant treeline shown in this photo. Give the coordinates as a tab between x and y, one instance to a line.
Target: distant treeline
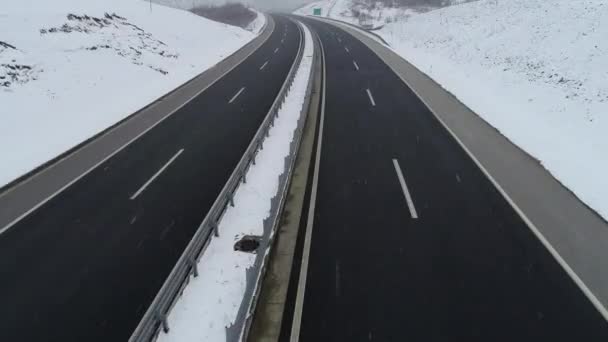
235	14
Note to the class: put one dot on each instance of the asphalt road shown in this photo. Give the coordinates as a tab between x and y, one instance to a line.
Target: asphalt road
410	241
86	265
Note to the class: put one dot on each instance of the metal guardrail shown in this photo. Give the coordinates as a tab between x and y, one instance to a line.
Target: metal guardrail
155	317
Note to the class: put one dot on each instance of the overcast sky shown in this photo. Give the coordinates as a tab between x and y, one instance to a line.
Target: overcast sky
261	4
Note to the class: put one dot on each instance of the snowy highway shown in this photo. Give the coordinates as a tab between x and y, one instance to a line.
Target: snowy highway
406	239
84	262
409	217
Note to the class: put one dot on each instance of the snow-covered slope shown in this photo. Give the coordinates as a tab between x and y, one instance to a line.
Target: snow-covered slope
366	13
70	68
370	14
325	6
537	70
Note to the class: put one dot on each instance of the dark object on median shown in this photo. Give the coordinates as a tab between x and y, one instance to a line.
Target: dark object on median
248	243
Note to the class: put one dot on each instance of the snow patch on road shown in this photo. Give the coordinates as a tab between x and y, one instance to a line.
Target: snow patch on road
211	302
71	68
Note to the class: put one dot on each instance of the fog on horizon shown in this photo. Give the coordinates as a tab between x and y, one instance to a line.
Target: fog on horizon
278	5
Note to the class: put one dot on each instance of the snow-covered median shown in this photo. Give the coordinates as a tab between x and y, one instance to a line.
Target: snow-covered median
71	68
211	301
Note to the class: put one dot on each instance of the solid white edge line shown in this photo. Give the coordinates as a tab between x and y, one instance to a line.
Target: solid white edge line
70	183
356	65
263	65
143	187
406	192
236	95
299	304
579	282
371	98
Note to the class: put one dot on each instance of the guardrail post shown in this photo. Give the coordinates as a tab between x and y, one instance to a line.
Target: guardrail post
231	199
163	321
194	266
216	231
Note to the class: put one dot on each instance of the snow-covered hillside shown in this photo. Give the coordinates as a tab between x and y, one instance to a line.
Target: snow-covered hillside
371	14
537	70
325	6
368	13
71	68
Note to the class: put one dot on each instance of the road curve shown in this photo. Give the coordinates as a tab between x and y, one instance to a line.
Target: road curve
85	265
410	240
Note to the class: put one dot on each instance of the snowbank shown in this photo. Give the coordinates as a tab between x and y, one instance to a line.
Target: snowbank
210	302
71	68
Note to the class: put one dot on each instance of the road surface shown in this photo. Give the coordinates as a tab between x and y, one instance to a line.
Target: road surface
409	240
85	265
